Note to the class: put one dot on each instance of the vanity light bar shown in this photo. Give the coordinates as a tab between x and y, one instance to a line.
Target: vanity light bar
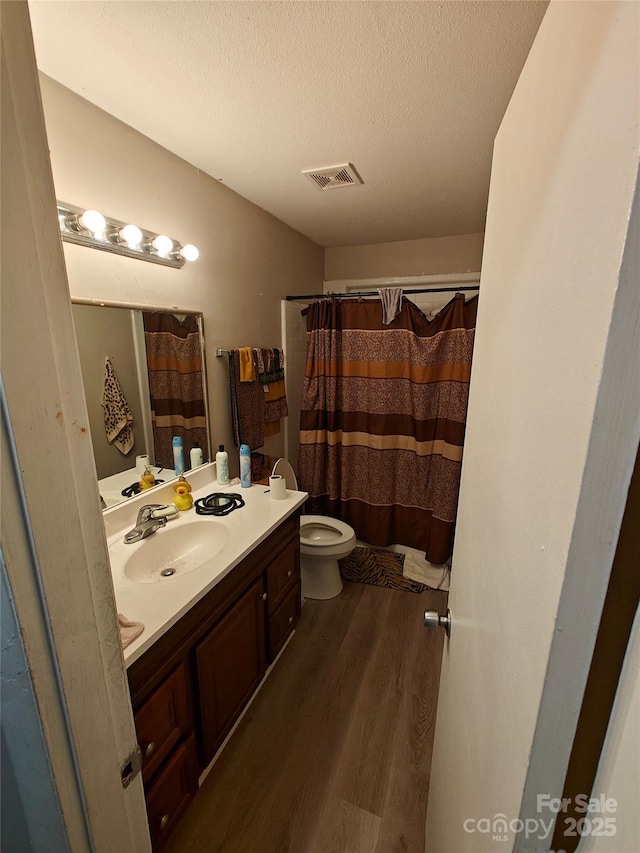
86	227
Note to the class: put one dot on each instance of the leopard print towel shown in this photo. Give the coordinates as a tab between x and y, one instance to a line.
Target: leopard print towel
117	415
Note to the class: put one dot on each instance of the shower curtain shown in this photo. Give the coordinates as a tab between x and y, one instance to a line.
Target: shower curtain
383	417
174	363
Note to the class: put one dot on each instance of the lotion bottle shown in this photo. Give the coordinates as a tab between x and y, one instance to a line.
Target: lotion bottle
196	457
222	466
245	466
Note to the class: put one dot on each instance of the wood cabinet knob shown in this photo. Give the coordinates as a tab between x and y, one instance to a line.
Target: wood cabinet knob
164	821
289	573
264	596
151	748
290	619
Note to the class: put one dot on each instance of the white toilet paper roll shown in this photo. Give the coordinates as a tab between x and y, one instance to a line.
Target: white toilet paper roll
278	487
141	462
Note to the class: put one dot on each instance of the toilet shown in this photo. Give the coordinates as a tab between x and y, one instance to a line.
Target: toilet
323	541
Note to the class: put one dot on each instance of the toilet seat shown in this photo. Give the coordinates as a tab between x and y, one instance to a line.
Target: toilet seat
324	536
283	469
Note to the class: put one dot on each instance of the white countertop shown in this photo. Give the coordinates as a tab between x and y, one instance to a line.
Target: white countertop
160	605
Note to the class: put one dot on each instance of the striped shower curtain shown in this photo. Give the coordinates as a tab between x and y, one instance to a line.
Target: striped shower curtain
174	363
383	418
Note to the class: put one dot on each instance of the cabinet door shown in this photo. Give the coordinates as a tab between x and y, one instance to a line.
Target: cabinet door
230	662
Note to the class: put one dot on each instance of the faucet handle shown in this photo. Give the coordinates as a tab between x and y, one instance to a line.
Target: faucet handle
157	512
164	512
146	512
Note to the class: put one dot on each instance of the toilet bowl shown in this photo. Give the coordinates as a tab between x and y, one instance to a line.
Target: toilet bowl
323	541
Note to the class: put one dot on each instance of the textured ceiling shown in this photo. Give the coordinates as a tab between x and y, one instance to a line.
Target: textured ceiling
253	92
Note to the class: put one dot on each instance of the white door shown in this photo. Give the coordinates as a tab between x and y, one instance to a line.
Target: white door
53	541
552	433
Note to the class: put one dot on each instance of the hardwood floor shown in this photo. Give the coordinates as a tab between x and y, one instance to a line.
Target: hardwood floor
334	754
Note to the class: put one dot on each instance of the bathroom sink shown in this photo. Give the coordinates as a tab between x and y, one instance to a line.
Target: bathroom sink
175	551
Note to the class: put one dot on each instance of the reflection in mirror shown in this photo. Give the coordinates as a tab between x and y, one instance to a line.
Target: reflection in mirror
144	381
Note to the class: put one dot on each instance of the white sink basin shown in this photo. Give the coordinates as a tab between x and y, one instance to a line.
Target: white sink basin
171	552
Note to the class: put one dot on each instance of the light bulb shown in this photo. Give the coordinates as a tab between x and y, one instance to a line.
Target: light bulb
190	252
92	220
132	235
162	244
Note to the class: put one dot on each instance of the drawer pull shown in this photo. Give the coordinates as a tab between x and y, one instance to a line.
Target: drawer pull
151	748
264	596
290	619
289	573
164	822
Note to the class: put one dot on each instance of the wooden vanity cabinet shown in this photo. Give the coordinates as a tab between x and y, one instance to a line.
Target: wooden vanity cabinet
190	687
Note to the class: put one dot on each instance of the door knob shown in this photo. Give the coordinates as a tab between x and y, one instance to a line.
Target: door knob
433	620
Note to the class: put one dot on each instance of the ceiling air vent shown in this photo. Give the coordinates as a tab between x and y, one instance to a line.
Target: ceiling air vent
332	177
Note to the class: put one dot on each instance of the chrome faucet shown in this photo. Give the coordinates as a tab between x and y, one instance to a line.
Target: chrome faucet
150	518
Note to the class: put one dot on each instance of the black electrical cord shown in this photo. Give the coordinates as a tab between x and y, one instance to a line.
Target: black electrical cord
218	503
135	489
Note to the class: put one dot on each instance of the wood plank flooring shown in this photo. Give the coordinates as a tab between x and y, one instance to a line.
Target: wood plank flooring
334	754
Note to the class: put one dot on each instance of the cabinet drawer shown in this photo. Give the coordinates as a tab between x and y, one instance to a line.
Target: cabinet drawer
171	791
282	573
162	721
283	621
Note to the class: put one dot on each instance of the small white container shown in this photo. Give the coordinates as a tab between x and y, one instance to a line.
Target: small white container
277	487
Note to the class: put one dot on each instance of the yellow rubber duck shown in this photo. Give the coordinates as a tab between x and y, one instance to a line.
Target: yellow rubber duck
148	479
183	499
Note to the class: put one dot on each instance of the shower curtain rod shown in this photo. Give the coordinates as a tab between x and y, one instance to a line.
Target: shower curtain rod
290	298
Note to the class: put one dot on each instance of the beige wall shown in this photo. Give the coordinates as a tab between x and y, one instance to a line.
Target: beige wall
430	256
248	259
103	332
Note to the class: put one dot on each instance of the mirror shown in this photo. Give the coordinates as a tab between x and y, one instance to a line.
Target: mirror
144	379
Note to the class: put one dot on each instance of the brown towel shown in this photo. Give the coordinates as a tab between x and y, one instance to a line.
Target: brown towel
275	399
117	415
247	407
129	631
